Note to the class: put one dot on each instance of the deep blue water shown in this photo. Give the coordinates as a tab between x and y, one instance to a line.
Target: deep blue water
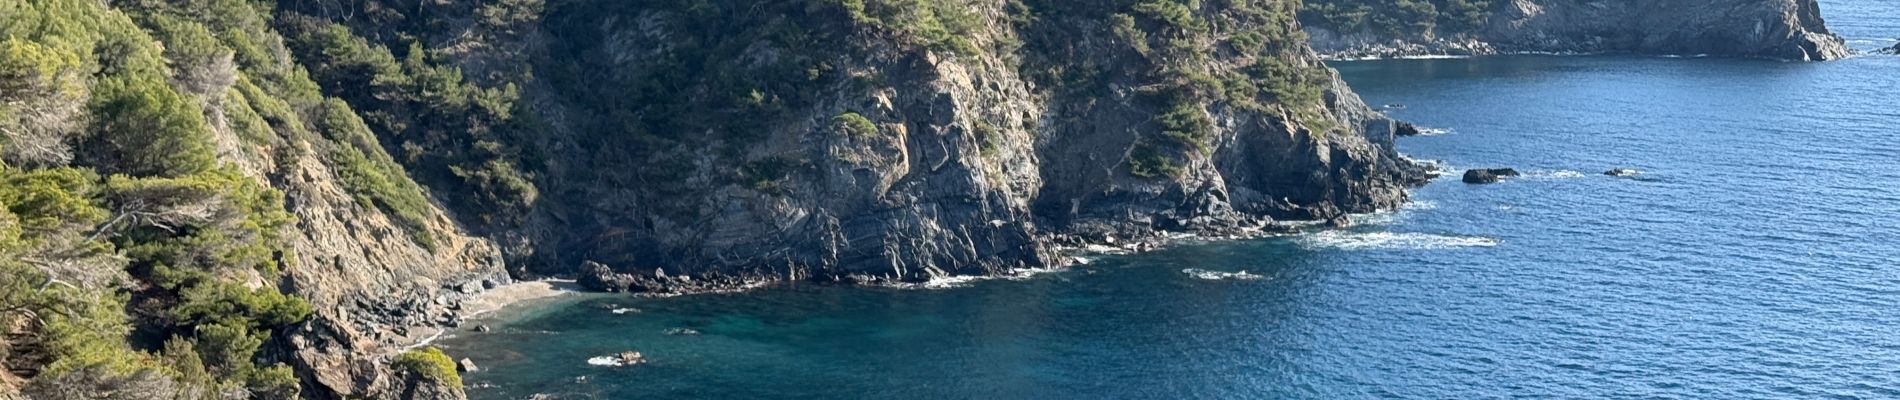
1758	256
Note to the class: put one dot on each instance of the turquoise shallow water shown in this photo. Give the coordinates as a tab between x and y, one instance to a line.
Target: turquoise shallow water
1755	258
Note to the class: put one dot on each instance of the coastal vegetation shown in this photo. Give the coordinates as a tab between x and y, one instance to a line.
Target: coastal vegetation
430	363
1398	18
1244	56
134	258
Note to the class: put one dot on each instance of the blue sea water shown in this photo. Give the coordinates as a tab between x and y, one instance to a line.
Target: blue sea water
1756	256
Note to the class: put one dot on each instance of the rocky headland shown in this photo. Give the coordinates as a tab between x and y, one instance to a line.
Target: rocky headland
1774	29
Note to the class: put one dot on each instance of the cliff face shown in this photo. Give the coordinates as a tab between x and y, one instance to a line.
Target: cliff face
898	158
1777	29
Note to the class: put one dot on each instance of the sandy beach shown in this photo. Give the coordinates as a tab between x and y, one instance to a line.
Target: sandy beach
515	293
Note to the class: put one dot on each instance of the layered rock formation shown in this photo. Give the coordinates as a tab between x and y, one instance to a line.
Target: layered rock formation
1777	29
969	161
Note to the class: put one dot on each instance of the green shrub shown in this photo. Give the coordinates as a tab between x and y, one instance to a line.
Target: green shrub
226	348
855	125
145	128
429	362
1187	124
234	305
941	25
1148	161
273	382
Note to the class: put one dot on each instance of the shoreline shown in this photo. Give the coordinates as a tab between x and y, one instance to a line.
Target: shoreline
486	304
517	293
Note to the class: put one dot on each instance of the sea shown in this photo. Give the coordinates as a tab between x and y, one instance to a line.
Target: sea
1755	255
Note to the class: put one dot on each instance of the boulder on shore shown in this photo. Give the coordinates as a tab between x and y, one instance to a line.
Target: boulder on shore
599	277
1488	175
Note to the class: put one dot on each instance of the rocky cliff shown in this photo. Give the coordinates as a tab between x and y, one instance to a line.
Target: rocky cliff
837	143
1777	29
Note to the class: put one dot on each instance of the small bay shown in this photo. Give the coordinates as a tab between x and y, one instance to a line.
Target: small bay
1753	257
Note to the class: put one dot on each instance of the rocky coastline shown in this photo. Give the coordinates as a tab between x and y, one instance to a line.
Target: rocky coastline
1783	29
973	168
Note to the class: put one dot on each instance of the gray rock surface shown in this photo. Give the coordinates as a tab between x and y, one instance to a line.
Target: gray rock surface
1488	175
973	170
1777	29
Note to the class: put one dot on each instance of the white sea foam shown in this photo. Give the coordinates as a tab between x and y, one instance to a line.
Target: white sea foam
1218	275
606	361
1554	174
1424	131
1344	240
947	282
957	281
1416	57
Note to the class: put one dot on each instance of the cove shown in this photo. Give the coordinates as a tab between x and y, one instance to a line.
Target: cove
1752	258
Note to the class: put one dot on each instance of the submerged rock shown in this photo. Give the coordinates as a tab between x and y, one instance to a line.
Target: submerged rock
1621	172
1488	175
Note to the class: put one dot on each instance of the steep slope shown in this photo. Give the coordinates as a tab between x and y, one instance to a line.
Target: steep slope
185	215
908	140
1778	29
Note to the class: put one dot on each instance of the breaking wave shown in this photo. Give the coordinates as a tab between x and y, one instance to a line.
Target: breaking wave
606	361
948	282
1344	240
1202	274
1554	174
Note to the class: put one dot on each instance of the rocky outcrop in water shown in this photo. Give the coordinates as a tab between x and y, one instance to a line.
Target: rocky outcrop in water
1489	175
1778	29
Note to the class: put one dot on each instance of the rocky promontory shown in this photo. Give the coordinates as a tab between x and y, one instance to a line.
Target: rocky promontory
1776	29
